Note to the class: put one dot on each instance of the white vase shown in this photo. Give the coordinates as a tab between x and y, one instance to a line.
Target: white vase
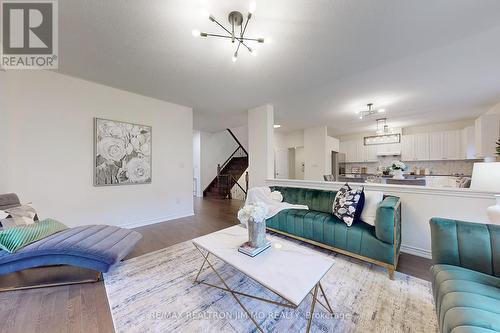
494	211
398	174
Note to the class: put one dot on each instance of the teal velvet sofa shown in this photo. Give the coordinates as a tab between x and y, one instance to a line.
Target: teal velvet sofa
466	276
377	244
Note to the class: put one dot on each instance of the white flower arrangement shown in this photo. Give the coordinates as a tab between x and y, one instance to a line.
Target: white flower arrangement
257	212
398	165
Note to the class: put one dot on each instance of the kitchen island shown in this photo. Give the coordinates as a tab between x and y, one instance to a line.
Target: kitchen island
433	180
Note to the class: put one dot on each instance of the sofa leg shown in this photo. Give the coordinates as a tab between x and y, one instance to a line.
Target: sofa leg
391	273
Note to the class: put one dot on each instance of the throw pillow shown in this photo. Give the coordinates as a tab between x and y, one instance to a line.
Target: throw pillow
348	204
14	239
276	196
369	212
22	215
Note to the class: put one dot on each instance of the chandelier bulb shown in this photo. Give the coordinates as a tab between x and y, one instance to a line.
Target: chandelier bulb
235	57
251	7
196	33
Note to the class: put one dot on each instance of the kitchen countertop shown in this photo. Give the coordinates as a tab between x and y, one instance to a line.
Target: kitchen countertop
347	174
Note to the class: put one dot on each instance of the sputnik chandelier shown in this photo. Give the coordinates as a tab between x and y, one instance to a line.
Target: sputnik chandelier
236	21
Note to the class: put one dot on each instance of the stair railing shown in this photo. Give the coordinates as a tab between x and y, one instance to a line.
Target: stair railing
227	180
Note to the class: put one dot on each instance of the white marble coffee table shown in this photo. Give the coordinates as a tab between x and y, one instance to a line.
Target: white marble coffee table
289	270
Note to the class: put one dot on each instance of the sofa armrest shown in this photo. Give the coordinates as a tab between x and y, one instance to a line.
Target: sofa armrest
388	220
470	245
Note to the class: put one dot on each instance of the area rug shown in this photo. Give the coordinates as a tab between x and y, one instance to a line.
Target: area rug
155	293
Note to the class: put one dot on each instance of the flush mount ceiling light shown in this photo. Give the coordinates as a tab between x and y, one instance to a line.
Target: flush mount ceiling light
236	19
369	112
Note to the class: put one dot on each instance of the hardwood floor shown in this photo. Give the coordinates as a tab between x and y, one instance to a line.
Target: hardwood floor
84	307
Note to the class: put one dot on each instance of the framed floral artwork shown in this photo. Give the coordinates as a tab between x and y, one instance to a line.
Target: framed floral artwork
122	153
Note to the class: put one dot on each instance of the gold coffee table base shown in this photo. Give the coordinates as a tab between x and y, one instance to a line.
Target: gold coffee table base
285	302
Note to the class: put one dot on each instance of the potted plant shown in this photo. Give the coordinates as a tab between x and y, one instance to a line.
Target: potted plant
498	147
254	217
397	168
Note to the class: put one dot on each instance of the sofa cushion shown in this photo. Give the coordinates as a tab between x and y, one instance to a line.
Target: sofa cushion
459	309
318	200
471	329
464	297
372	202
327	229
471	245
98	243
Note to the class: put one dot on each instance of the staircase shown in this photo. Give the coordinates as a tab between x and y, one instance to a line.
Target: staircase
229	173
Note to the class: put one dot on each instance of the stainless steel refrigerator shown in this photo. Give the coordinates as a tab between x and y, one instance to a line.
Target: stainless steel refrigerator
338	165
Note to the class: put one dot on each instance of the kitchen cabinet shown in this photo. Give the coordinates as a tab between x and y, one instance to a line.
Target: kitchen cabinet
486	134
421	146
350	149
445	145
370	153
408	147
436	145
433	146
452	145
415	147
468	143
356	152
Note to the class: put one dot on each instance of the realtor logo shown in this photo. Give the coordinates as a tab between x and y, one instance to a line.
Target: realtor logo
29	35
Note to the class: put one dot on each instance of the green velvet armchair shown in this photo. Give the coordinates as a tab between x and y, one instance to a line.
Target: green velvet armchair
466	275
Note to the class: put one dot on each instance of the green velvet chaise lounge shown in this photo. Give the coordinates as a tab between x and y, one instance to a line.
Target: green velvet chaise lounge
466	276
377	244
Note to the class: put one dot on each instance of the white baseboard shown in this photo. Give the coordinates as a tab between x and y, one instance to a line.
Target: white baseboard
155	220
416	251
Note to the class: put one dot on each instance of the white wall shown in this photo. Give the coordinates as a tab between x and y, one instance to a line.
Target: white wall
315	152
495	109
439	127
51	155
4	135
332	144
197	163
261	144
288	140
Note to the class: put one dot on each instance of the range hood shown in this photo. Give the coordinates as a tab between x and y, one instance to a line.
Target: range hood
389	153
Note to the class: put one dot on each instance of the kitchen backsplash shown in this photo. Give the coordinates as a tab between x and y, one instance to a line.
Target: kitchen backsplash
435	167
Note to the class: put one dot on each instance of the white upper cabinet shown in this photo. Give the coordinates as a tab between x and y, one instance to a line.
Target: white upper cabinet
422	147
408	147
433	146
350	149
487	129
452	142
415	147
371	153
468	143
446	145
436	146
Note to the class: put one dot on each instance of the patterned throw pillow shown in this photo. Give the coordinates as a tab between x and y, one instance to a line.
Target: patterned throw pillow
20	215
348	204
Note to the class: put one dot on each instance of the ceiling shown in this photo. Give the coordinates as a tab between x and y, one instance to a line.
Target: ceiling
424	61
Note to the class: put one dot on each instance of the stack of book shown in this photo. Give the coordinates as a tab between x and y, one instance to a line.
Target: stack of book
251	251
